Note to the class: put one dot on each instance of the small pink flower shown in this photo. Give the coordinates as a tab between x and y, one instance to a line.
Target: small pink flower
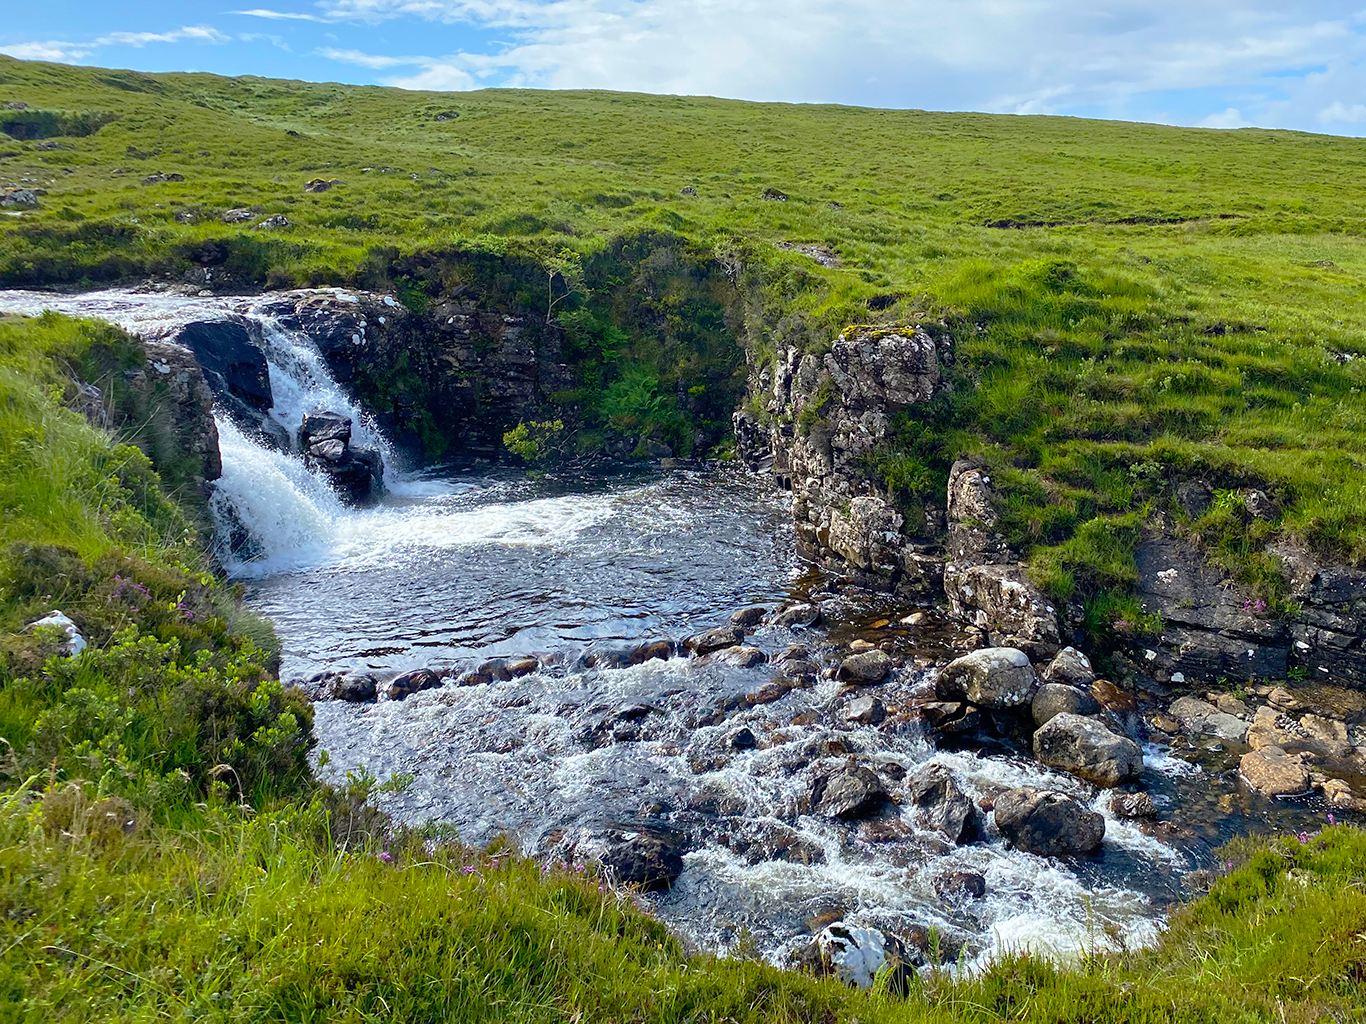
1304	837
468	869
1331	819
386	856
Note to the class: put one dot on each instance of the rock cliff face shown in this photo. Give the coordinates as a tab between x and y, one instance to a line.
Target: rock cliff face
455	373
817	421
823	419
1212	627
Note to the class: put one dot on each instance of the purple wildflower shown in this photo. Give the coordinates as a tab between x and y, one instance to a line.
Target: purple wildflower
1331	819
1304	837
386	856
1230	865
468	869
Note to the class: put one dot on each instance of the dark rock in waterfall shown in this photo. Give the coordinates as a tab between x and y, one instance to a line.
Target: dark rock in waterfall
356	473
650	856
235	369
942	804
848	793
1047	823
409	683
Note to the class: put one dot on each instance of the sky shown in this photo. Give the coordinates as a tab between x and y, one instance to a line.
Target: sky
1298	64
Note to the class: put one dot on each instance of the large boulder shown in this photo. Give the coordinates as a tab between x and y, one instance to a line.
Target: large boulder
1048	823
1088	750
970	495
1201	718
1273	772
1071	667
713	640
866	667
357	474
941	804
1053	699
855	955
650	856
1000	599
848	793
994	677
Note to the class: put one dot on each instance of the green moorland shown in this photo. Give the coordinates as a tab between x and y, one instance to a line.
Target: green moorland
1188	303
166	855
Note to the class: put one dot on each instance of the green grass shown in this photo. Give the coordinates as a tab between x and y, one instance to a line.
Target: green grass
272	918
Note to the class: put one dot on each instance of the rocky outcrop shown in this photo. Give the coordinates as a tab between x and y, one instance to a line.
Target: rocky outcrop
1087	749
456	371
823	416
357	474
1050	824
1273	772
1213	627
234	367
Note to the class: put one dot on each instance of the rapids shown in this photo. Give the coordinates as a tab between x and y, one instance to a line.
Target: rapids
464	563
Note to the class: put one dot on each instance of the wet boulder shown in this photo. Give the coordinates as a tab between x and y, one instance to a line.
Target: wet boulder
941	804
713	640
1133	805
356	473
1053	699
524	666
350	686
653	650
797	616
235	370
748	618
865	711
408	683
650	856
866	667
1201	718
741	657
1272	772
761	841
855	956
959	885
1087	749
848	793
1047	823
949	717
1071	667
994	677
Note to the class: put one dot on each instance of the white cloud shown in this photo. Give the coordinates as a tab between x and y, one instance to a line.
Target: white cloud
1342	113
51	50
438	77
1110	57
278	15
370	60
1230	118
198	33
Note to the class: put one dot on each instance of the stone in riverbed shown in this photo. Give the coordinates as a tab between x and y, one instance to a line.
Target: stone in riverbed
866	667
648	856
713	640
654	650
797	616
409	683
1133	805
519	667
1088	750
865	711
1202	718
994	677
741	656
1047	823
856	955
747	618
1272	772
949	717
958	885
848	793
1053	699
773	690
1070	667
941	804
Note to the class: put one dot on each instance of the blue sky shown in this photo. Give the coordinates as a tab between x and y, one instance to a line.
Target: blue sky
1287	64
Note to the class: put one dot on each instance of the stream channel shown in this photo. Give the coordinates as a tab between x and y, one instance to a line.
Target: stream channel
467	562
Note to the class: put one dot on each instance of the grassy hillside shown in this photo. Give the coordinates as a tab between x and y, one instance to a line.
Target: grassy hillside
1132	304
